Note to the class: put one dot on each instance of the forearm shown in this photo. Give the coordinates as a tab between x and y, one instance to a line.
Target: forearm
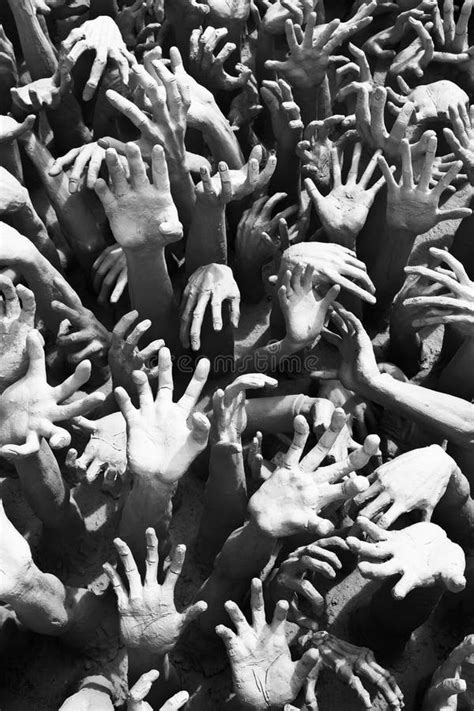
182	186
225	499
272	357
207	238
387	269
276	414
457	378
37	49
455	510
46	492
223	143
10	159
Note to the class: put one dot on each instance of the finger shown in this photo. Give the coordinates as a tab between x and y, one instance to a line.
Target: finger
131	571
257	605
176	702
279	617
72	384
193	392
175	568
237	617
300	436
165	376
36	358
28	305
314	458
118	586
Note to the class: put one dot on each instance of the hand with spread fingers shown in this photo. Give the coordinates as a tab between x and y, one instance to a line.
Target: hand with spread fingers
455	308
354	665
263	672
304	310
453	37
102	36
86	162
124	354
81	335
415	58
278	12
110	274
448	683
29	408
381	43
414	206
17	319
212	284
104	452
461	138
149	620
142	687
293	499
412	481
421	554
208	68
344	211
163	437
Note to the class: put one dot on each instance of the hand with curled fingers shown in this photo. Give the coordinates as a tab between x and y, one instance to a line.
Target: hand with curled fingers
11	129
110	274
455	308
292	499
207	68
344	211
43	93
278	12
311	50
355	665
304	310
149	620
263	673
230	417
140	212
315	150
285	113
124	354
17	319
294	579
461	138
81	335
210	284
413	206
228	185
186	13
246	106
447	683
104	452
85	160
163	437
142	687
332	264
417	56
380	44
421	554
453	37
102	36
412	481
29	408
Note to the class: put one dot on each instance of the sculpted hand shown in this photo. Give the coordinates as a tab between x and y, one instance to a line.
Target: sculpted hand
456	307
391	36
30	407
212	283
246	106
304	310
277	13
208	68
333	264
285	113
353	665
413	481
148	617
160	442
139	691
16	321
414	207
102	36
11	129
110	274
228	185
105	451
139	212
43	93
294	579
416	57
124	354
421	554
343	212
315	150
453	37
447	682
86	161
461	138
230	417
263	672
291	500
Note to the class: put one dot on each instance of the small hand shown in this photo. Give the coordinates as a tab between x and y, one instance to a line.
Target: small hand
148	617
102	36
394	33
30	407
16	321
417	56
124	354
85	160
421	554
105	451
142	687
110	274
454	37
208	68
186	13
230	417
263	672
212	283
160	442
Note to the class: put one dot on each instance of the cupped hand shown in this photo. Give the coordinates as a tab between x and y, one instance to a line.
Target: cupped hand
149	620
421	554
163	437
214	284
30	407
263	672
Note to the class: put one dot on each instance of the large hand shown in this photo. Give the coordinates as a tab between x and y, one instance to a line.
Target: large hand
421	554
212	283
124	354
102	36
263	672
304	310
30	407
447	682
139	212
149	620
291	500
415	480
16	321
160	443
105	451
343	212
